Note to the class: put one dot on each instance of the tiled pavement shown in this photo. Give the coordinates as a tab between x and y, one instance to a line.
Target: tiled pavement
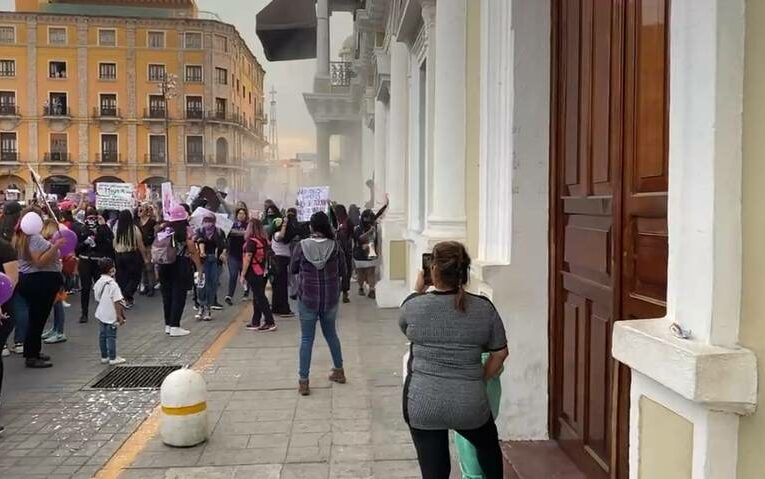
59	428
261	428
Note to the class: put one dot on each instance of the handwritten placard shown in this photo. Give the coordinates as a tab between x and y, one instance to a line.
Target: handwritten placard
115	196
167	199
310	200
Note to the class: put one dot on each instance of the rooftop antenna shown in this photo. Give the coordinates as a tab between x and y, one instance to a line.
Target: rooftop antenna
273	129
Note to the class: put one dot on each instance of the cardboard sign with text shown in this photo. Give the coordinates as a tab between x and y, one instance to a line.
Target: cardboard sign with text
310	200
115	196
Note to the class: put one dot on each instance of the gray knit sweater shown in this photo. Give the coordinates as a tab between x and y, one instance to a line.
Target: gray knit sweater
445	388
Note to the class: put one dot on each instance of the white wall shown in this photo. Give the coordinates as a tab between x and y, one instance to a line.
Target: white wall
519	290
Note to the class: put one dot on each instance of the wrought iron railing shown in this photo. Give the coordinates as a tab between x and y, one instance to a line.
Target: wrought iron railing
340	73
9	110
56	157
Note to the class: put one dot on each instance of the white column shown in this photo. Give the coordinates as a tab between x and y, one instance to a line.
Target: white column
367	157
447	203
322	39
381	146
392	291
322	153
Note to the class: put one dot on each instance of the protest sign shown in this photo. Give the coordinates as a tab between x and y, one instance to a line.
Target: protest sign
167	199
312	199
115	196
192	195
223	222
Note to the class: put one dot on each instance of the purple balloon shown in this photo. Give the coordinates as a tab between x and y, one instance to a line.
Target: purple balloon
6	288
70	240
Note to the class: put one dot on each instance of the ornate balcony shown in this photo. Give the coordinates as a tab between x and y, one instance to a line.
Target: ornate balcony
56	157
341	74
9	111
108	158
155	113
155	158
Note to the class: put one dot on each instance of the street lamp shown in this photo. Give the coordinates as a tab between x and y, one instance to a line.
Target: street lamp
168	88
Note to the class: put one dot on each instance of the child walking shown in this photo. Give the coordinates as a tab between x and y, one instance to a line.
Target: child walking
110	311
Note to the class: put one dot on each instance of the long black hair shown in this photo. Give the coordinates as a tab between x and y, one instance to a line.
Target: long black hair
125	229
320	225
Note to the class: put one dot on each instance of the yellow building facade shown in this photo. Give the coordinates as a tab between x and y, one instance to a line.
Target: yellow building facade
81	96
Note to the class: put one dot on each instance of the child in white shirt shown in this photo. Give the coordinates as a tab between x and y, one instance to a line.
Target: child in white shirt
110	312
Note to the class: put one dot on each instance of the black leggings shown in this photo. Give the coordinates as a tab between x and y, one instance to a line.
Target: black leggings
88	269
129	268
433	451
260	306
39	290
6	326
174	286
280	283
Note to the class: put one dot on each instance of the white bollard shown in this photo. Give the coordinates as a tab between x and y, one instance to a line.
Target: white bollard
183	399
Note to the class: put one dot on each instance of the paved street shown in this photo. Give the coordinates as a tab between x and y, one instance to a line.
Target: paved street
260	427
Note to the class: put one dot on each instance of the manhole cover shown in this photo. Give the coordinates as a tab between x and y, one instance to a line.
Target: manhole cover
134	377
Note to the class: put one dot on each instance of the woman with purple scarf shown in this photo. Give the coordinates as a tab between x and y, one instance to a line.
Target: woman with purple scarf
212	248
235	251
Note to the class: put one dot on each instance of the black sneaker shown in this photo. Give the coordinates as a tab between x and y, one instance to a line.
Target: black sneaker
83	319
228	301
362	292
346	299
38	364
216	307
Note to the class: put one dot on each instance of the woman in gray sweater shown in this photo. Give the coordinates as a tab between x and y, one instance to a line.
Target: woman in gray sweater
449	329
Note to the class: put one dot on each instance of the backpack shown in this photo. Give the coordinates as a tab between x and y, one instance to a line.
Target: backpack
163	250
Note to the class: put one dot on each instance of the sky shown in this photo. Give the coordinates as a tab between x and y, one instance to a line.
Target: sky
297	133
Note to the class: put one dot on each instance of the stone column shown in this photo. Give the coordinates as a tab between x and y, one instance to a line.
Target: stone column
381	147
321	81
322	153
446	218
392	290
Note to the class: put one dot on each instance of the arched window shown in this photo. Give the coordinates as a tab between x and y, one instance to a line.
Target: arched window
221	151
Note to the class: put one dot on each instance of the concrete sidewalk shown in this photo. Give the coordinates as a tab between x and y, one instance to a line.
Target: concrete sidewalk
261	427
56	426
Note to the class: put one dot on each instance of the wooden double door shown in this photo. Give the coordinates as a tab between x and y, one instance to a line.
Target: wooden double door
609	138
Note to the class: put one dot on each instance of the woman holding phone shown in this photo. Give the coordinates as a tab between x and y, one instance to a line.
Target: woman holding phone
449	329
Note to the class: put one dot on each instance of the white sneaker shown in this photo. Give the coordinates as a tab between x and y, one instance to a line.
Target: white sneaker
116	361
5	352
18	348
177	332
167	329
65	304
104	360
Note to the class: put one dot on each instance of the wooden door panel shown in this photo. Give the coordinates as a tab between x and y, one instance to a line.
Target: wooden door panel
608	218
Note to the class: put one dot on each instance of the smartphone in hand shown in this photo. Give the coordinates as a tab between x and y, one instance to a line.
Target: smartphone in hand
427	261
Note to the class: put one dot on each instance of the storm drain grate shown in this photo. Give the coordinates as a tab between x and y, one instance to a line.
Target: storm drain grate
135	377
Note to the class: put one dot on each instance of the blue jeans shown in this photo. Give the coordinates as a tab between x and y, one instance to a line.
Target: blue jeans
107	340
58	317
234	270
212	278
20	311
308	320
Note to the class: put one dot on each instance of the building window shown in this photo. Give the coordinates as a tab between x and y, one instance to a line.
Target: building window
59	150
7	103
194	73
109	149
56	105
156	72
157	106
8	148
108	104
7	68
157	149
57	35
250	98
194	109
156	39
221	76
221	151
107	38
192	40
220	108
56	69
195	149
107	71
7	34
220	43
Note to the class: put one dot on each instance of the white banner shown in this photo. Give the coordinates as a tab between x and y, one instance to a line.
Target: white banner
310	200
115	196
